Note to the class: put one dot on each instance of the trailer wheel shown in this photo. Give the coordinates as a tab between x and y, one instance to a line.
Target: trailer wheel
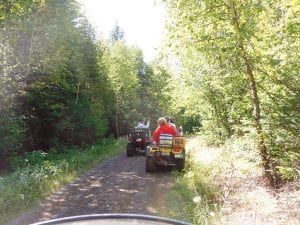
150	164
180	164
130	149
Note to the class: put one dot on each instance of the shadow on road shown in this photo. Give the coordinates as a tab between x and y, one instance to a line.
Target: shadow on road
119	185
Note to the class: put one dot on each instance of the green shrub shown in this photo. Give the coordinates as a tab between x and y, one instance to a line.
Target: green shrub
11	133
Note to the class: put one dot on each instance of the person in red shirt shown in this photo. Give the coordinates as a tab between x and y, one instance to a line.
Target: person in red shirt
163	128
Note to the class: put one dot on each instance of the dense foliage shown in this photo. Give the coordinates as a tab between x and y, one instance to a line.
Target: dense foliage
239	66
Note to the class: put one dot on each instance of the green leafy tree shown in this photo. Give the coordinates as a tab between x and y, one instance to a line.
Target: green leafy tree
121	65
50	61
225	46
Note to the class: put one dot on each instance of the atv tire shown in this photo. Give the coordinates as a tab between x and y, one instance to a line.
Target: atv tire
180	164
150	164
130	149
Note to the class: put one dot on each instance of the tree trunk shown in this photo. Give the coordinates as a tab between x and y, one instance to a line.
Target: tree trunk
77	92
266	159
116	116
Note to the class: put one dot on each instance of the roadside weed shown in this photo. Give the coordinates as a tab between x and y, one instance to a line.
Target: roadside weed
38	174
199	192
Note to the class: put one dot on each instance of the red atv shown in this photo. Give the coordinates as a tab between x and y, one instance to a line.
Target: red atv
138	140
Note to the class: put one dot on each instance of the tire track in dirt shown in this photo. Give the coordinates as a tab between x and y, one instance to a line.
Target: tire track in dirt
119	185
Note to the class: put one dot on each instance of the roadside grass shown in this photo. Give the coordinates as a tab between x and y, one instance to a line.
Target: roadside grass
200	191
38	174
194	197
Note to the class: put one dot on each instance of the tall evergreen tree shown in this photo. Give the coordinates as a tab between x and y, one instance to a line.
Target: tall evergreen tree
117	34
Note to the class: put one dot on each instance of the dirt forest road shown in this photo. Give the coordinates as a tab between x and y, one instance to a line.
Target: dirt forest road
119	185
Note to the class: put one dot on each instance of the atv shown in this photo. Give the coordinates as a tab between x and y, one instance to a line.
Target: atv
169	152
138	140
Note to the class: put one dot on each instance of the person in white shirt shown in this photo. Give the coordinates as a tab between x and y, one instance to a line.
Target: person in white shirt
141	124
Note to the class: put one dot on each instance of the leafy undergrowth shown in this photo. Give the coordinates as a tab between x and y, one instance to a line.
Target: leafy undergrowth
224	185
38	174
